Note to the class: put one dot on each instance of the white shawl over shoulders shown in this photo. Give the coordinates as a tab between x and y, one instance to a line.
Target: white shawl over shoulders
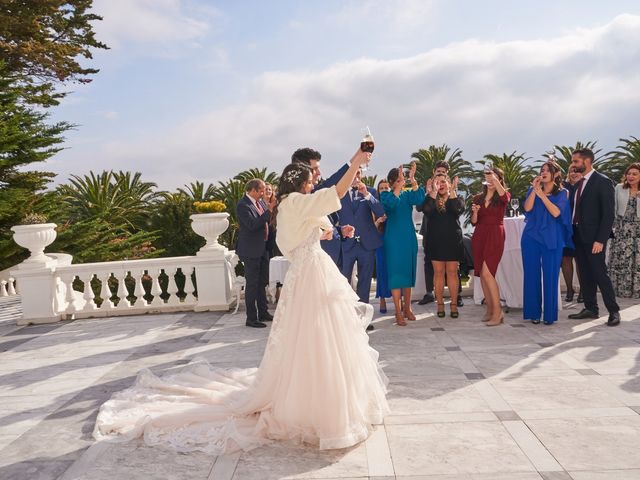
299	215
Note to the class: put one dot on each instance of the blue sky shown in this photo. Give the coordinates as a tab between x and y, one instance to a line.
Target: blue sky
203	89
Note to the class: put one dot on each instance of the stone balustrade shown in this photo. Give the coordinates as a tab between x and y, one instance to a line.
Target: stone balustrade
52	288
126	287
8	286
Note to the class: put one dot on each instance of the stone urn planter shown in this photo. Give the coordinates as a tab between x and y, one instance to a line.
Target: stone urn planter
35	238
210	226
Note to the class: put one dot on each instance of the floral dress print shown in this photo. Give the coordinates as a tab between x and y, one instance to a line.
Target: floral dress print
624	262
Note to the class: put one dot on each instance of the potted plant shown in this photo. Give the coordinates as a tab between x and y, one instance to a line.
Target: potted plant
210	222
35	234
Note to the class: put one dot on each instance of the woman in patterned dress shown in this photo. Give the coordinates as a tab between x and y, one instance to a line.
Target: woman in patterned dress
624	260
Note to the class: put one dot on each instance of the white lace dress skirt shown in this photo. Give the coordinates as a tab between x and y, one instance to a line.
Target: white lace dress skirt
319	381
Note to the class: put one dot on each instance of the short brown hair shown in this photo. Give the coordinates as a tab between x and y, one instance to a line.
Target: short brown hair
441	164
253	184
585	153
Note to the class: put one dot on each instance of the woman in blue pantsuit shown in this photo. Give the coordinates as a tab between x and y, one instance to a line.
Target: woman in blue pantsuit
547	231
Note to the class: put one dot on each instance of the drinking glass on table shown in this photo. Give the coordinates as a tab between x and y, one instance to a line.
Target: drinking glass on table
515	204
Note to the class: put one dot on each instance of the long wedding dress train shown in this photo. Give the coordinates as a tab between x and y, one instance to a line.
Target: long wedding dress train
318	382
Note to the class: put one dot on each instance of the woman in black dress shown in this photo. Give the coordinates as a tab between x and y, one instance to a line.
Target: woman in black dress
444	238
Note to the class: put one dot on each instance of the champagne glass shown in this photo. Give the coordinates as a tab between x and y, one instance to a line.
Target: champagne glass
488	170
367	144
515	203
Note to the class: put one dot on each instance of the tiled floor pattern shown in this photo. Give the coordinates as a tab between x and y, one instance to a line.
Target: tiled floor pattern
514	402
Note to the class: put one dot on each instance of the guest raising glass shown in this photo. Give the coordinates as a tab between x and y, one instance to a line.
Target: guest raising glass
487	243
401	244
443	208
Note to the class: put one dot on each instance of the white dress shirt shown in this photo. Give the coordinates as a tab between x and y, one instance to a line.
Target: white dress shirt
585	179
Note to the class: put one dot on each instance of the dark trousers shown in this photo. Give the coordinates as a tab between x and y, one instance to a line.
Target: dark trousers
256	274
366	260
428	276
593	275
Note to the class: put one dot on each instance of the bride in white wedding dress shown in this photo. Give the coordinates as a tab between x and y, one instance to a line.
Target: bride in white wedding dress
318	382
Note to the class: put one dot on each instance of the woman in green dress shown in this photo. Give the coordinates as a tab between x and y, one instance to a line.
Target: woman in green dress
401	244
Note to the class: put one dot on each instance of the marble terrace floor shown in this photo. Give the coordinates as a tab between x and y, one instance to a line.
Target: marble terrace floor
515	402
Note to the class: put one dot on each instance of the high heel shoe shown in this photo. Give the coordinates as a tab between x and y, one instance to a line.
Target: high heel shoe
453	313
400	320
569	297
491	323
440	313
409	315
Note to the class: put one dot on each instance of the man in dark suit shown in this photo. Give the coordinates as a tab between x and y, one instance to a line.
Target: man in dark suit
253	233
593	214
312	158
359	207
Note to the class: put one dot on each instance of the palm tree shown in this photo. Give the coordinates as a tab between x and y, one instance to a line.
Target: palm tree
562	154
122	197
260	173
426	159
197	192
370	181
626	153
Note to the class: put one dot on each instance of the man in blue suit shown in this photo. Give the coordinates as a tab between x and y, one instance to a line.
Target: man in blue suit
312	158
359	207
253	232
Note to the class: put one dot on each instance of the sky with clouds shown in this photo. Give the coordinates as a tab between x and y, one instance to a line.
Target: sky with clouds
202	89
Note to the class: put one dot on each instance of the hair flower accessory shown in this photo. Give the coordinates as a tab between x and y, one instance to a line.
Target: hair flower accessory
292	175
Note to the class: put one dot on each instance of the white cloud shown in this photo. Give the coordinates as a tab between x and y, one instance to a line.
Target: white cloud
158	23
482	97
400	14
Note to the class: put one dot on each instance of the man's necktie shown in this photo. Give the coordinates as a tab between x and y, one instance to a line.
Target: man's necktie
576	203
266	225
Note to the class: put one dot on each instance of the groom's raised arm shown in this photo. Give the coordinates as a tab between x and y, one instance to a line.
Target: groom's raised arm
333	179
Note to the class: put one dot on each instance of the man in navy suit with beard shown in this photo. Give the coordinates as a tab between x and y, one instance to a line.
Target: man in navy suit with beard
359	207
593	201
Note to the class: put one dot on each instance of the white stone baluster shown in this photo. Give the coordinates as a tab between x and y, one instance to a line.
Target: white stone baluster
155	289
12	287
188	285
139	293
88	294
172	288
69	295
3	289
105	293
123	303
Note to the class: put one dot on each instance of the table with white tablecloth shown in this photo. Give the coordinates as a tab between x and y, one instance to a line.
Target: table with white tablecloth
510	273
278	267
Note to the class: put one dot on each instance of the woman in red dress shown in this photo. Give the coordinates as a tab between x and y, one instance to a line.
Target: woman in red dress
487	243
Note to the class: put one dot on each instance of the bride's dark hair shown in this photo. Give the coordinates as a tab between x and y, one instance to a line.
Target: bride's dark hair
293	178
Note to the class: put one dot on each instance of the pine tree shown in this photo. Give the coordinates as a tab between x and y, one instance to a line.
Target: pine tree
25	139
